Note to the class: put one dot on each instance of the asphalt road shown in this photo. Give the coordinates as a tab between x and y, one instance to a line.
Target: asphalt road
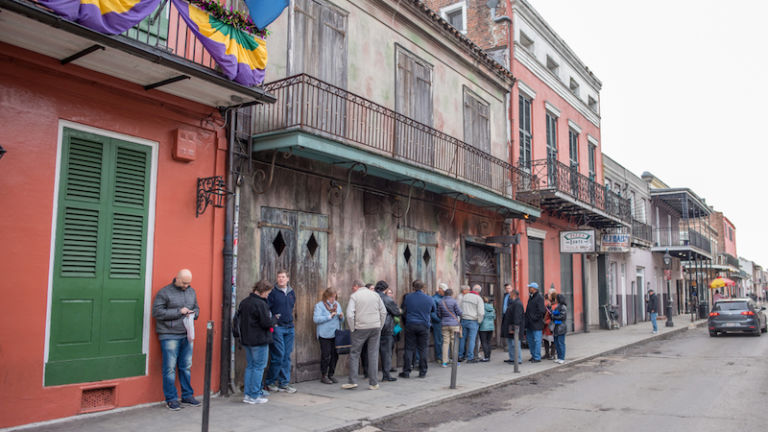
691	382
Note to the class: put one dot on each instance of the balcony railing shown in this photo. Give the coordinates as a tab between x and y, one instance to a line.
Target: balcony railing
554	175
307	103
642	231
674	237
168	32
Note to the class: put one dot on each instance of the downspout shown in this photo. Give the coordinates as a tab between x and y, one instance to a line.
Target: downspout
584	292
227	286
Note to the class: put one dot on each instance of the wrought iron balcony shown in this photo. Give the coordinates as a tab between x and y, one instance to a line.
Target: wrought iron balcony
642	231
564	190
681	239
308	104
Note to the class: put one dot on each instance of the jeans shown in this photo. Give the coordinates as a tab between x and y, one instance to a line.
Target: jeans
416	341
449	339
437	334
177	352
511	350
360	337
386	342
653	321
485	342
468	338
534	343
256	360
328	356
280	357
560	347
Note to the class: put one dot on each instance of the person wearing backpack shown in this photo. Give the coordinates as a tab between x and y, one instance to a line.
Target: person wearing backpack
255	324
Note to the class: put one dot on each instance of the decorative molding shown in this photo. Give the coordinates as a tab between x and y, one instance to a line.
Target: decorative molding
536	233
526	59
552	109
525	89
592	140
462	5
574	126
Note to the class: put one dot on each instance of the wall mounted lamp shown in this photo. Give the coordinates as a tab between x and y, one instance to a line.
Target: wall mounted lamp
211	191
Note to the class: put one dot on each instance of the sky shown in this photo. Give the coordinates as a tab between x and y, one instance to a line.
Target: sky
685	90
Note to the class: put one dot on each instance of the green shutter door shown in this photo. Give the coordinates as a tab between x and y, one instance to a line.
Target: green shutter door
97	305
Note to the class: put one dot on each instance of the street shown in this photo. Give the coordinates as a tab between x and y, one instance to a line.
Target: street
690	382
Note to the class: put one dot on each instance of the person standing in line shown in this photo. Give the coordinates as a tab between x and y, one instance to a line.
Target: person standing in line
534	321
486	329
366	315
653	309
173	303
450	313
559	317
417	309
514	317
547	336
474	311
256	326
437	332
281	301
364	349
328	317
387	340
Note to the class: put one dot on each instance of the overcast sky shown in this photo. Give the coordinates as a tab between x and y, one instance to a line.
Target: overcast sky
685	88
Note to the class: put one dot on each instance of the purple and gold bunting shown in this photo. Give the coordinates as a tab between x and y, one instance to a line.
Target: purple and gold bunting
104	16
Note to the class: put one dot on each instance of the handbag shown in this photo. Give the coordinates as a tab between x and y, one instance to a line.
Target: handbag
454	317
343	341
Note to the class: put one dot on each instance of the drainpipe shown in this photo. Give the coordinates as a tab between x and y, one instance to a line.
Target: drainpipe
584	291
227	287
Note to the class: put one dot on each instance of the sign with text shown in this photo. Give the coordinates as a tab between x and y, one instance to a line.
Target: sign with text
615	242
582	241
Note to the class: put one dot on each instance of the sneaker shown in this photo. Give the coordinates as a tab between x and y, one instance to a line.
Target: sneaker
373	387
333	380
272	388
325	380
404	375
474	360
191	401
535	361
654	332
264	393
287	389
422	375
349	386
260	400
249	400
561	361
389	378
485	360
445	365
173	405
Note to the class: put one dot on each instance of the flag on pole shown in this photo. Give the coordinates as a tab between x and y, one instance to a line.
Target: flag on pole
242	56
104	16
263	12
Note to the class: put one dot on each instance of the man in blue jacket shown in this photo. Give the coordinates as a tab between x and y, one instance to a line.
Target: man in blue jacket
417	308
437	328
281	301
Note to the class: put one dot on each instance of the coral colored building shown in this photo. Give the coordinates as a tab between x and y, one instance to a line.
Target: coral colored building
98	211
555	139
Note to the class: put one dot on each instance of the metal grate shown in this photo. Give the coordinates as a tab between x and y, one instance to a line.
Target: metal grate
97	399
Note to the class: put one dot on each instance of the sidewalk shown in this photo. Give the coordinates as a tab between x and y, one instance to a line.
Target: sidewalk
321	407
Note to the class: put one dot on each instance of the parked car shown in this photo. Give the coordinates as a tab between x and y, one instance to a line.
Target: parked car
737	315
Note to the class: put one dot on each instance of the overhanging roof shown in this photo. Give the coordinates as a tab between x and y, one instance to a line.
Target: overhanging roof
325	150
682	200
27	26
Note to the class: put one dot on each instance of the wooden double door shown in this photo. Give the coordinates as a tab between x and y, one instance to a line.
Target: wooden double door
298	242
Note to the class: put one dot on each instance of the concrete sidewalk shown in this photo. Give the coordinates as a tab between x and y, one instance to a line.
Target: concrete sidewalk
321	407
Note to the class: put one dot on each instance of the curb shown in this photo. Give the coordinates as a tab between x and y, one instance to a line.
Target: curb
372	420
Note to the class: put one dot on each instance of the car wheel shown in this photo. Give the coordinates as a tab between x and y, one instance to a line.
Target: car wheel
765	328
712	334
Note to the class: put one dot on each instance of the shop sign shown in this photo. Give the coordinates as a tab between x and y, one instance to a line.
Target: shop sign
615	243
582	241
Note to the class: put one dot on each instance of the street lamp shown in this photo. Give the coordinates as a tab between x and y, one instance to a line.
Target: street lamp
668	276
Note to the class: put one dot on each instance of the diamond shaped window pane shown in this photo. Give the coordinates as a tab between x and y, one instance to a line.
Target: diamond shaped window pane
426	256
278	243
312	245
407	254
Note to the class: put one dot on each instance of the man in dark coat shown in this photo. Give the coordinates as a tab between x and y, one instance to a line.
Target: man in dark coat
534	321
514	317
417	308
387	340
256	324
653	309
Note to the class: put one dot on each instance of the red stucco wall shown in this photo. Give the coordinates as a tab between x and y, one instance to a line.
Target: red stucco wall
35	94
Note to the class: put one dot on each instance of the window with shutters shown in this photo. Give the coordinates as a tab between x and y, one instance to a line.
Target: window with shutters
320	41
477	133
573	148
525	132
153	30
413	99
99	273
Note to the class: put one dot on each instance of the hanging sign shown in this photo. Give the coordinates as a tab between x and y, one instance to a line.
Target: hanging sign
615	242
582	241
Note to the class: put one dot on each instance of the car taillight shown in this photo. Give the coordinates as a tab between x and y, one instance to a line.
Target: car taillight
750	313
713	314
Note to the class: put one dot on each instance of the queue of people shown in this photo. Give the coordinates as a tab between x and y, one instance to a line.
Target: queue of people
264	324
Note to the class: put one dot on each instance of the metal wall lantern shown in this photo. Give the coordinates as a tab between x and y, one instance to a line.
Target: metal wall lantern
2	152
211	191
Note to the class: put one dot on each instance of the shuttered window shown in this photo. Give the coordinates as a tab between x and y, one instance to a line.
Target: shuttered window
320	41
477	133
525	132
99	269
413	99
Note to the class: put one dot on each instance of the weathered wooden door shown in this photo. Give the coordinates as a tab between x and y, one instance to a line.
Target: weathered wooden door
427	269
311	279
413	99
278	242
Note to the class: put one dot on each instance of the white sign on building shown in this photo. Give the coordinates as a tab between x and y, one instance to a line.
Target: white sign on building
582	241
615	243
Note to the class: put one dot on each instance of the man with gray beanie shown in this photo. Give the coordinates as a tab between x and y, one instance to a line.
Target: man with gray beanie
437	328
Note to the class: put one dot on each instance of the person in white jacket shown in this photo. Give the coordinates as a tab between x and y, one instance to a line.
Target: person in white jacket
473	312
366	315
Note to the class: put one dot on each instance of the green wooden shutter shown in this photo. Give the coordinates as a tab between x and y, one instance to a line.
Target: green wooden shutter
97	304
154	34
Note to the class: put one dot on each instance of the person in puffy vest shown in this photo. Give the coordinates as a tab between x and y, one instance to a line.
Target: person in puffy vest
256	327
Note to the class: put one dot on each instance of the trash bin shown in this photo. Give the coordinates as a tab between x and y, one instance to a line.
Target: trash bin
703	310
